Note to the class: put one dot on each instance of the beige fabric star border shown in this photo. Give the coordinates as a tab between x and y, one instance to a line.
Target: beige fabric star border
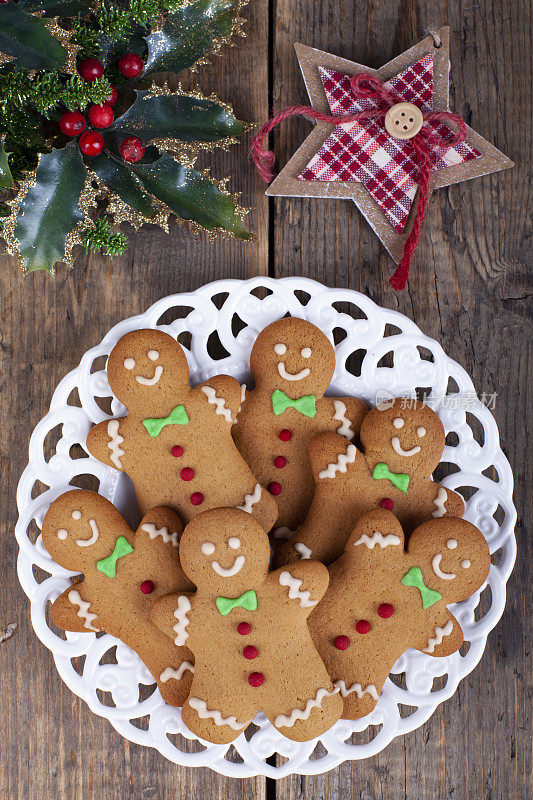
287	184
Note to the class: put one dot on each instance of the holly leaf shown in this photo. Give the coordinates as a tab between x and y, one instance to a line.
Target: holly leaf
186	118
50	208
117	176
57	8
190	33
6	178
26	38
189	194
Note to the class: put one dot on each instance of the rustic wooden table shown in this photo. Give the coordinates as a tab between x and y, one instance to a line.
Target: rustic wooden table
468	290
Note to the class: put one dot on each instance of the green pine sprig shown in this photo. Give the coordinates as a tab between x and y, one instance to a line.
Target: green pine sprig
44	90
101	236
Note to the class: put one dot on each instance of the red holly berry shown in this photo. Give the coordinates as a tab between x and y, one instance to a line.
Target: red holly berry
91	143
187	474
176	451
250	651
274	488
112	97
256	679
131	65
362	626
385	610
280	462
132	149
285	435
101	116
341	642
72	123
244	628
147	587
90	69
197	498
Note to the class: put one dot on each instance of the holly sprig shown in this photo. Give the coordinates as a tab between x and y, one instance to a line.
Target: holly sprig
79	147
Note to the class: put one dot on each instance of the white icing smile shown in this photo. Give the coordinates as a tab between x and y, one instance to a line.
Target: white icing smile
445	576
93	539
288	376
396	446
150	381
238	564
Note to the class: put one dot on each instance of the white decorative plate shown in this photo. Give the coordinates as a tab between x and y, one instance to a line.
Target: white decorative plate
119	689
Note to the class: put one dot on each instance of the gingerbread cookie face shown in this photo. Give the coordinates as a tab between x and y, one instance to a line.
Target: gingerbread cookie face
381	600
175	443
406	436
146	368
125	573
263	658
292	363
292	354
403	441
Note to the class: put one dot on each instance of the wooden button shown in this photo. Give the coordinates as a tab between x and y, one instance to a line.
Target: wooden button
404	120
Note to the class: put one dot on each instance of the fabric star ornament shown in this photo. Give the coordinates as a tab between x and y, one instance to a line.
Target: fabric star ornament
361	160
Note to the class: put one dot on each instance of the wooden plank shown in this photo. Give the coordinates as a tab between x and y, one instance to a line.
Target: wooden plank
52	745
468	290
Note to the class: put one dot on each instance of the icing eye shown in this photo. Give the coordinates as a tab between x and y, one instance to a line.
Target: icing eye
451	544
421	432
62	534
280	349
208	548
153	355
465	564
76	515
129	363
234	543
398	423
306	352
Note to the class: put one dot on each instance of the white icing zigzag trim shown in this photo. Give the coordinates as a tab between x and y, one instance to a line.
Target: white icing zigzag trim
200	706
177	674
439	502
340	465
180	628
305	552
115	440
295	593
153	531
345	429
84	606
219	402
283	721
358	689
377	538
251	499
440	633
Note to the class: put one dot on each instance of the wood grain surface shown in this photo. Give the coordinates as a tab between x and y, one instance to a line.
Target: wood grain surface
468	289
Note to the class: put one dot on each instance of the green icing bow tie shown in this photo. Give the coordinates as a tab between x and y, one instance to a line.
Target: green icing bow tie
414	578
398	479
305	405
248	600
109	565
178	416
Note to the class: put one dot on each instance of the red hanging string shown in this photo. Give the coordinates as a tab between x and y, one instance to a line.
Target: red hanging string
366	86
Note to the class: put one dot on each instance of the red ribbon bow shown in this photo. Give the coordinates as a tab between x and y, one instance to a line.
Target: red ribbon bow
369	87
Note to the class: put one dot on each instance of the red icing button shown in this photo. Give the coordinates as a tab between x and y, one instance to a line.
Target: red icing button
387	503
147	587
274	488
244	628
362	626
256	679
250	652
342	643
176	451
285	435
187	474
280	461
197	498
385	610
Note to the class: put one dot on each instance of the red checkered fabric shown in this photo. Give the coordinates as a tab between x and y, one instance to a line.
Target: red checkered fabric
367	153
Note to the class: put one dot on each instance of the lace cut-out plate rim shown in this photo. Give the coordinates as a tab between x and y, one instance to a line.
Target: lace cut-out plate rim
380	353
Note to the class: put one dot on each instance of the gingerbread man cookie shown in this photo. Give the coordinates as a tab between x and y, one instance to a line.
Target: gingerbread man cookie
247	628
124	574
175	443
382	600
403	441
292	363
